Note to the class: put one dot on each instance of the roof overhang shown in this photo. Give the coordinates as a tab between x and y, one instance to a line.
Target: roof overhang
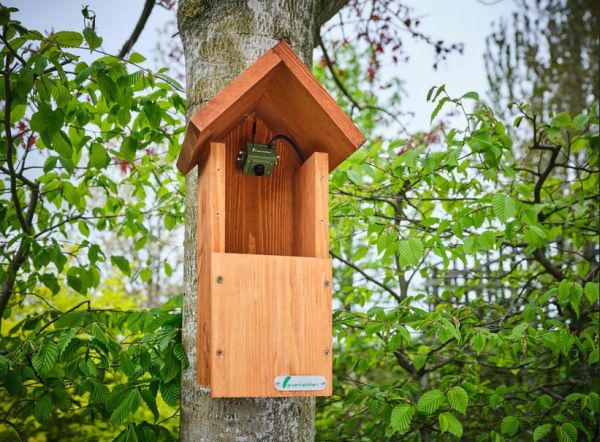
282	91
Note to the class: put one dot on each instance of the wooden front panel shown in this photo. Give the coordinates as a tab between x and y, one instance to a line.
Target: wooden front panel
270	316
259	209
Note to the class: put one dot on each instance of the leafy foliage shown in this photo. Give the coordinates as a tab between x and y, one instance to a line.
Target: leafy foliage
466	267
87	147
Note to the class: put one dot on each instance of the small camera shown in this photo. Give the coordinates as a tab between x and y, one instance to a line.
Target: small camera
257	159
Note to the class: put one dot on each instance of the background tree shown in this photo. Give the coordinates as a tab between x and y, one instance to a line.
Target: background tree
548	56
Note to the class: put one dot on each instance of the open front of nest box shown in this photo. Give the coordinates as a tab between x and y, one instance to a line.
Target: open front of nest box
264	147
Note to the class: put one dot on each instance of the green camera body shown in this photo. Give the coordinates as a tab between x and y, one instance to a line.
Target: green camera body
257	159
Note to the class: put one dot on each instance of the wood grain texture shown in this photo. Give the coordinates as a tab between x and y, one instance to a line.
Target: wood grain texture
271	316
311	207
210	237
259	209
283	92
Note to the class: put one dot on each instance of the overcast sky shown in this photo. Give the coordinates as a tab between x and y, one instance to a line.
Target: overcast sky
466	21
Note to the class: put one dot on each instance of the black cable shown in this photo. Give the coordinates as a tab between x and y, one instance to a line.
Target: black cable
290	142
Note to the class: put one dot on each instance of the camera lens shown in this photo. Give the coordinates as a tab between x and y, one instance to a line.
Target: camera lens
259	170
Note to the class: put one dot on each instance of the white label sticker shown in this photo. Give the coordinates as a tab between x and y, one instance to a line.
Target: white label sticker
300	383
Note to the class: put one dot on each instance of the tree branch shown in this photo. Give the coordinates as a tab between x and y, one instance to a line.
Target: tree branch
343	89
139	27
328	9
367	277
10	147
14	427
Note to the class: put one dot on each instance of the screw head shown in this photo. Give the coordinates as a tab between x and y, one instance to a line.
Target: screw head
326	283
326	352
219	279
219	352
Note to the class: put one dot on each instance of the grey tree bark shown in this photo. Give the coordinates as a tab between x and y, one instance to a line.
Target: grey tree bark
221	38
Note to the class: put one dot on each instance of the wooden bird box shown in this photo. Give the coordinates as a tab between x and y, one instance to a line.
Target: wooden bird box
264	273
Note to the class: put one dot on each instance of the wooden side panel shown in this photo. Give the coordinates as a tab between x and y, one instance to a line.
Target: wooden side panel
259	209
311	198
271	316
210	237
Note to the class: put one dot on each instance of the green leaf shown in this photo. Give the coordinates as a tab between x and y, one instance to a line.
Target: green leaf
517	121
43	408
518	331
450	424
3	366
419	361
562	120
402	416
45	359
121	262
486	240
458	398
541	431
430	401
471	95
146	274
411	251
99	158
127	365
593	400
509	426
504	207
67	39
108	87
100	392
170	221
478	342
62	145
92	39
180	354
438	108
61	95
170	392
591	291
150	400
88	368
566	433
439	91
130	435
171	81
49	280
136	57
375	406
128	405
452	329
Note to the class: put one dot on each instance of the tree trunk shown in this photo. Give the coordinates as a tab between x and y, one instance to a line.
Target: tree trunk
221	38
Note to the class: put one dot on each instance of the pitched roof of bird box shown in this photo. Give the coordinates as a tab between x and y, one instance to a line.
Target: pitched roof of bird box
282	91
